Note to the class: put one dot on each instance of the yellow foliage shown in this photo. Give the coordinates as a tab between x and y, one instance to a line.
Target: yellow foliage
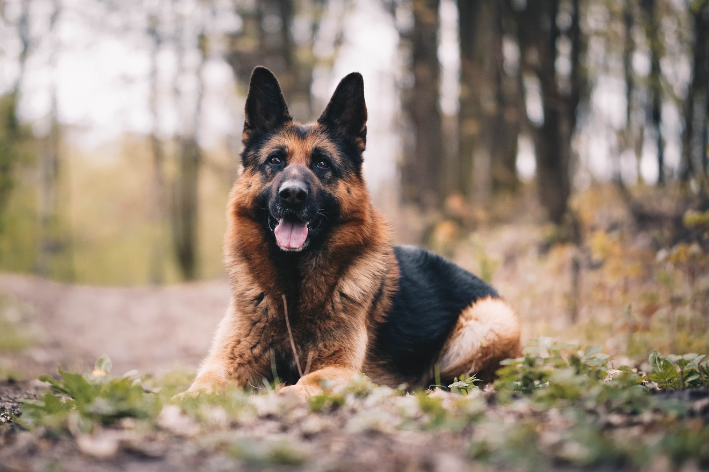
695	218
683	253
600	245
445	232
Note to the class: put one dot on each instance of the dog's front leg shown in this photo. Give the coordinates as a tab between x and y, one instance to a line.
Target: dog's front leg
334	363
237	355
322	379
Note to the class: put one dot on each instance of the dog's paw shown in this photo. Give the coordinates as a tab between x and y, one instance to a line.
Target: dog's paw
204	384
299	389
181	396
193	392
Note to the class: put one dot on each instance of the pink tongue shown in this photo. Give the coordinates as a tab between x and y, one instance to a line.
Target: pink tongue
291	235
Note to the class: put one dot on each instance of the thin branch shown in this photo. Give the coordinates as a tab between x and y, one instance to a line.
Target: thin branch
290	335
308	364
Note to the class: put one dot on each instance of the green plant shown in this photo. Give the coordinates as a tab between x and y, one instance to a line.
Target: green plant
325	402
91	398
675	372
465	384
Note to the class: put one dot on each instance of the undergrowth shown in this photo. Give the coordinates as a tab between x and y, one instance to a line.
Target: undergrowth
556	406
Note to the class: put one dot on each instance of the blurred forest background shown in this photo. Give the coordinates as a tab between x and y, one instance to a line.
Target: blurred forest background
558	148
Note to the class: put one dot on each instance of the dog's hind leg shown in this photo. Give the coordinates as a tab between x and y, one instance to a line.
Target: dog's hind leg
486	333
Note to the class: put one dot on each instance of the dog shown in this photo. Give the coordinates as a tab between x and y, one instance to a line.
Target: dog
317	289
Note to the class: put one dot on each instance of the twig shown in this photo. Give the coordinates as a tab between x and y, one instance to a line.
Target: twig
307	365
290	334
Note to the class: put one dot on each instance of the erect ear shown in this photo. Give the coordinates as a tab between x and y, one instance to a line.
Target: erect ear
266	108
346	114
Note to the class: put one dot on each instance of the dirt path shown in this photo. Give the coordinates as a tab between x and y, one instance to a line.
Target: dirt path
152	329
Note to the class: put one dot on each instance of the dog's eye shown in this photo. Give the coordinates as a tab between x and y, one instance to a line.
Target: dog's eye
275	160
323	164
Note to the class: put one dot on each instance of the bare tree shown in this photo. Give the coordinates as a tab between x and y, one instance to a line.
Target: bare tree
538	36
54	251
696	108
508	106
157	191
488	119
185	193
266	38
633	135
652	32
422	168
11	132
472	28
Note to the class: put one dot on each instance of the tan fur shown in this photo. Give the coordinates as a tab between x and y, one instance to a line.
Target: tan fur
487	332
336	297
346	289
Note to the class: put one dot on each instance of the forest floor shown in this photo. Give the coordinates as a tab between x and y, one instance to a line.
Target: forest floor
628	289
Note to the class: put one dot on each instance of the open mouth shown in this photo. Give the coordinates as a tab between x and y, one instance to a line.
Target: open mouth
291	233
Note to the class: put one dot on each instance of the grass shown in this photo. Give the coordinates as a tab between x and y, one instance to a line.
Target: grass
557	405
14	336
610	407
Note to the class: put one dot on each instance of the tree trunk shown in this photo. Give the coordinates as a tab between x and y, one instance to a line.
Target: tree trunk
11	133
266	38
653	35
489	104
186	205
633	134
694	137
157	191
538	34
469	104
423	169
628	51
185	214
54	256
503	139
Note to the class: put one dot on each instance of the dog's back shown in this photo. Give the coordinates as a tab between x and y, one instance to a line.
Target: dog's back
431	296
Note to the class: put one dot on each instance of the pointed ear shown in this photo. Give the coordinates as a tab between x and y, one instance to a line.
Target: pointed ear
346	114
266	108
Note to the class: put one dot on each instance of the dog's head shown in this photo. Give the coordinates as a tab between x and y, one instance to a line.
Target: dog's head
306	179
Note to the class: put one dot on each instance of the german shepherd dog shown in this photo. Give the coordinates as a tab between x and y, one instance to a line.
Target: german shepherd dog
316	285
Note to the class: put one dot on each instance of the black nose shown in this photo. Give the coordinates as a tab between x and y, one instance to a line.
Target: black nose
293	192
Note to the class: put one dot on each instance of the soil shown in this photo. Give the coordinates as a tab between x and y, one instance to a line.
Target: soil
159	329
151	329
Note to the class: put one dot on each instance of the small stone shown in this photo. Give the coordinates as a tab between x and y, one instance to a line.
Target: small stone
172	419
102	446
446	462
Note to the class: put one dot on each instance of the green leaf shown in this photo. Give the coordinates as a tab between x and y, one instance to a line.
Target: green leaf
104	363
512	361
130	373
655	361
672	357
76	386
592	350
695	362
668	377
